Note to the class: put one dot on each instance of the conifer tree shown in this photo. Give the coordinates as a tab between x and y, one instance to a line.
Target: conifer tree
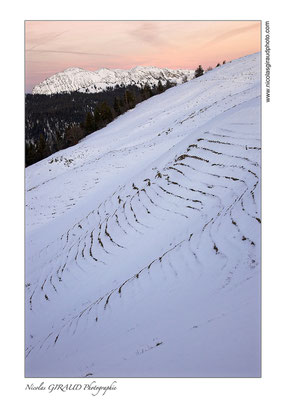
106	113
129	99
199	71
89	123
42	148
98	124
58	142
160	88
116	106
146	92
30	154
73	135
122	104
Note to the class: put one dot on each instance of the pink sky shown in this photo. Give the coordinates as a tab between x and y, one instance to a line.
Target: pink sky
52	46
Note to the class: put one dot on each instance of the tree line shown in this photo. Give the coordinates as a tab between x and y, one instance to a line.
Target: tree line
59	121
200	71
104	112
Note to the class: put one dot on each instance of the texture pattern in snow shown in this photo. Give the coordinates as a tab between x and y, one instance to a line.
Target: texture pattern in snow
143	241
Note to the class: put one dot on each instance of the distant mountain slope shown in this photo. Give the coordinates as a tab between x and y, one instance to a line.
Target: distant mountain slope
78	79
143	241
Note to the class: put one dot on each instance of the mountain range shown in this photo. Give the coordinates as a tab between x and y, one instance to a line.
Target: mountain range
80	80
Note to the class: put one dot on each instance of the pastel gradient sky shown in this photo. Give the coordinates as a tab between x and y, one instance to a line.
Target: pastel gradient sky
52	46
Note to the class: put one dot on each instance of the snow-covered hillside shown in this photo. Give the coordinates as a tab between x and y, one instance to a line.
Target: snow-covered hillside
78	79
143	241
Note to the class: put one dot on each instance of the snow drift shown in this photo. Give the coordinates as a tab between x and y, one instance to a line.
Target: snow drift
143	241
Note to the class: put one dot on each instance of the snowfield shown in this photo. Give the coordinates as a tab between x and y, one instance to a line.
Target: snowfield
143	241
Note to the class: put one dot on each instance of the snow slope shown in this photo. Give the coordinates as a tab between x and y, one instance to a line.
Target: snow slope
80	80
143	241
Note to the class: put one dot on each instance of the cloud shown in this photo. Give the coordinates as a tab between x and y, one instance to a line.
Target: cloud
69	52
148	32
43	39
232	33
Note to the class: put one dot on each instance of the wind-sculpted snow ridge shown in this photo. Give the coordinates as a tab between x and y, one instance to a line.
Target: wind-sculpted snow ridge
80	80
143	241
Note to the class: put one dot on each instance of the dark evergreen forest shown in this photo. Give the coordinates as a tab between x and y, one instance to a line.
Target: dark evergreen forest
55	122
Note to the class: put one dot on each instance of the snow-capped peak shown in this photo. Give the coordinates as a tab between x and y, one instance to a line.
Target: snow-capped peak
73	69
80	80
